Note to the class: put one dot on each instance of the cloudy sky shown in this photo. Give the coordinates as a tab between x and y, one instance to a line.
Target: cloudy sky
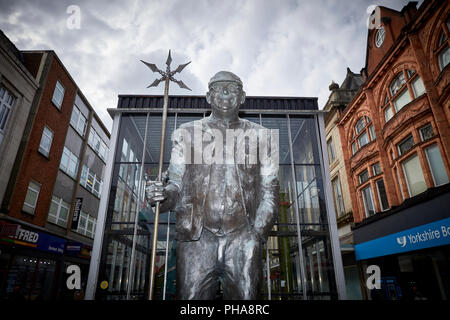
278	48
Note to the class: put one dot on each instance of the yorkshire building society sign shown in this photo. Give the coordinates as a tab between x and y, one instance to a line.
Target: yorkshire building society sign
426	236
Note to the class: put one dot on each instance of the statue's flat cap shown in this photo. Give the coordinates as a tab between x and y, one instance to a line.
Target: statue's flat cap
225	76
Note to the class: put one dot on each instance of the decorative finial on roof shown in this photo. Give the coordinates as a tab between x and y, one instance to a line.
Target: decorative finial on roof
333	86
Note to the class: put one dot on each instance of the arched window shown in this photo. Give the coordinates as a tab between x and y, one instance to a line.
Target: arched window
443	49
406	86
363	133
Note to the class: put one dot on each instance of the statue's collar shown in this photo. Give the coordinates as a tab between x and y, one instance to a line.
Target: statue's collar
221	122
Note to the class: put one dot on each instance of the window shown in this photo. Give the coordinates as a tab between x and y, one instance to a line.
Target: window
331	154
406	145
58	212
97	144
361	133
363	140
78	121
388	114
376	169
69	163
399	93
363	177
31	197
91	181
443	49
397	83
414	175
46	141
58	95
426	132
372	132
418	87
367	196
379	37
402	99
338	200
6	103
86	225
436	164
384	204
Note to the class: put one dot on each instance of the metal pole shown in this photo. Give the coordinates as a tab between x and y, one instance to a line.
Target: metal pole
269	287
167	256
136	220
158	204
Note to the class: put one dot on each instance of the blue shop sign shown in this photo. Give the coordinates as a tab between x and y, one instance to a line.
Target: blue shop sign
50	243
426	236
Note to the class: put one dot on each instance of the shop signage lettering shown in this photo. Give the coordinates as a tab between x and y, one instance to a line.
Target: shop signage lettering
76	213
27	235
426	236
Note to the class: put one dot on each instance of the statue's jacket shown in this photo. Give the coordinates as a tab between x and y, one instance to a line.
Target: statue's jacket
189	180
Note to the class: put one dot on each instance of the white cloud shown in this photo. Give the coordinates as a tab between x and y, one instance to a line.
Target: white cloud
278	48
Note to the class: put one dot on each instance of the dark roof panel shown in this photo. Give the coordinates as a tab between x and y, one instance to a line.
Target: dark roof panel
199	102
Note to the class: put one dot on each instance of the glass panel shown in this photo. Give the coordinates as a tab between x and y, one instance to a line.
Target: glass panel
405	145
382	195
418	87
363	177
360	125
363	140
414	175
426	132
444	57
368	201
338	196
372	133
397	84
304	140
280	123
388	114
376	169
402	99
354	148
436	165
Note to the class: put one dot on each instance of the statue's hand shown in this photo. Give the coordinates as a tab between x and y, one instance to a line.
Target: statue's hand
155	191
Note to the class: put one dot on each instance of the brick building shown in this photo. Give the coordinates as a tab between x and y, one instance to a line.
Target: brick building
396	144
51	196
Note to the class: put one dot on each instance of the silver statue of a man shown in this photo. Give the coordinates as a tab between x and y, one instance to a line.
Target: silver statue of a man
225	209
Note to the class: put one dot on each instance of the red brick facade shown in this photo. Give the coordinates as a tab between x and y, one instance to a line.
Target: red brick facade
410	50
35	166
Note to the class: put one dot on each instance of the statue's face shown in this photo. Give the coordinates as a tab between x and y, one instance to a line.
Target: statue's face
225	98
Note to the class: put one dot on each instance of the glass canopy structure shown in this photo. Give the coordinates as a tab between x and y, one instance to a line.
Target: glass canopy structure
302	258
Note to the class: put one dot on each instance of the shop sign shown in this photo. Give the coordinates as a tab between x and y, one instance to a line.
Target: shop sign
76	213
35	239
426	236
8	229
73	248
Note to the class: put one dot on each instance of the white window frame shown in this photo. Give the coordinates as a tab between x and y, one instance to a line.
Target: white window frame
379	195
406	176
371	200
60	203
84	229
26	205
76	120
434	145
339	201
379	37
59	88
47	133
331	152
71	157
88	175
7	100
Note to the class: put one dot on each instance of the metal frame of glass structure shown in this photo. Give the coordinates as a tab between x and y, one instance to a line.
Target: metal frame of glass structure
302	257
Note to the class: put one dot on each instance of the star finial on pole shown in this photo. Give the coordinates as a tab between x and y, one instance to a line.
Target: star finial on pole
168	73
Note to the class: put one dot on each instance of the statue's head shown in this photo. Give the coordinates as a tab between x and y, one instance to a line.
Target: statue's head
225	94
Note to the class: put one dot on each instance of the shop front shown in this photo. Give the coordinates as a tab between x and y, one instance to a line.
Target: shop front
33	264
411	246
302	257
